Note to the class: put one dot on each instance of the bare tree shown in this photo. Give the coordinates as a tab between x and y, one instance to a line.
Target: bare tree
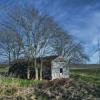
64	45
38	35
5	46
38	30
12	38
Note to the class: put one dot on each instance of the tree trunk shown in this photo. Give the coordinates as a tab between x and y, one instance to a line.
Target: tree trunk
9	58
14	55
36	70
28	72
41	69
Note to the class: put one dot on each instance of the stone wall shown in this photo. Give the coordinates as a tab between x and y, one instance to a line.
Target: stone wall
55	69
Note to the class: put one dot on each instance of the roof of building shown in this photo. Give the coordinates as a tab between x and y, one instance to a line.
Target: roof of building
59	59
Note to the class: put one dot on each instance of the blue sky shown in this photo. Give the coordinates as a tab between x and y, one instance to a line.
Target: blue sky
81	18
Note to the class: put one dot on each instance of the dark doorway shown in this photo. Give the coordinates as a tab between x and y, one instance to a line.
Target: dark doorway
61	70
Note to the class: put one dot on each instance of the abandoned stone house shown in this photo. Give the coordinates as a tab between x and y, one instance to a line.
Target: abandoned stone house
53	67
59	68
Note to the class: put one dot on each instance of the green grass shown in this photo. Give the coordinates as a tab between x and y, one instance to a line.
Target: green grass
90	76
19	82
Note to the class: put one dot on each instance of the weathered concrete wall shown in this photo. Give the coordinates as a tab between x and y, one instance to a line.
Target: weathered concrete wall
55	69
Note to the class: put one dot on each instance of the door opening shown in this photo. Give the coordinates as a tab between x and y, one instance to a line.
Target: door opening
61	70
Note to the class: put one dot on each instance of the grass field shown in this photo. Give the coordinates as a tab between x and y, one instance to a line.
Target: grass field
91	76
22	89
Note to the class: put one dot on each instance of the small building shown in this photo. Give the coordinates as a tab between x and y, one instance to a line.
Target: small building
59	68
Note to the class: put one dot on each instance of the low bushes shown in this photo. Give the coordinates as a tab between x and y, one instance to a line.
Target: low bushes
67	89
